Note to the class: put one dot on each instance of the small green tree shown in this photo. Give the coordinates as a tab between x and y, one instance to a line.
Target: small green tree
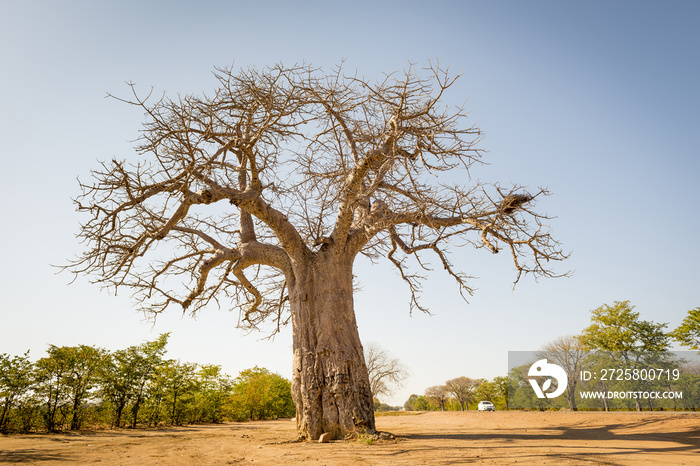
410	404
519	391
16	379
178	386
117	382
66	378
485	391
282	403
688	333
85	363
127	377
148	358
689	384
619	336
260	394
420	403
52	377
501	385
618	328
214	387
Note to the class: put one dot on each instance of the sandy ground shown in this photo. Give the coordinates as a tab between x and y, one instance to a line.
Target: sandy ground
428	438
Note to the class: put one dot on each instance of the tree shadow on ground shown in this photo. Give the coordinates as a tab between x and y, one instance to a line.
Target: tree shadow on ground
621	442
30	455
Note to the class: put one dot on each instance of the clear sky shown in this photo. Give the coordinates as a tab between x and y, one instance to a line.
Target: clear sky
596	100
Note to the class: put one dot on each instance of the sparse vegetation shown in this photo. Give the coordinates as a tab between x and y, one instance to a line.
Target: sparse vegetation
79	387
616	337
688	333
366	439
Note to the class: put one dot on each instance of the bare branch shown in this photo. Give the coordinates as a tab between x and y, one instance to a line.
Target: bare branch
310	164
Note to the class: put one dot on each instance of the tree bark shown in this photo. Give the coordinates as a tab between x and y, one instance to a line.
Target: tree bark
5	410
118	415
75	420
605	399
571	393
330	383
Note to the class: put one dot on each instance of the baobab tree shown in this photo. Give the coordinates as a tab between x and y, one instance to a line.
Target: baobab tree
260	195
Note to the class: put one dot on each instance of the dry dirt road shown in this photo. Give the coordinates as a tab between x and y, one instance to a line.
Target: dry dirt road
428	438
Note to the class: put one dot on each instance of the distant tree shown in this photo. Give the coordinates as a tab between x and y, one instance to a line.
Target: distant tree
486	391
118	383
265	191
688	333
383	407
439	394
420	403
146	360
214	387
462	388
66	378
501	385
520	393
452	405
409	405
129	371
617	333
260	394
618	328
386	373
178	386
85	366
52	375
567	352
689	385
16	380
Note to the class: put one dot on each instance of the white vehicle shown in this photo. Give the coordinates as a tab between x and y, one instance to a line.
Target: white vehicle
486	406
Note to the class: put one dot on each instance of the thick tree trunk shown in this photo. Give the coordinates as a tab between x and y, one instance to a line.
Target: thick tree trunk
330	384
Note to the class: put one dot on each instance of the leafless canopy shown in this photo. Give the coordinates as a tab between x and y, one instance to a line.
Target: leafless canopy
277	164
439	394
385	371
462	388
569	353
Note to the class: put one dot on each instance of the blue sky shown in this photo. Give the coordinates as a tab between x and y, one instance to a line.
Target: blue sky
598	101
